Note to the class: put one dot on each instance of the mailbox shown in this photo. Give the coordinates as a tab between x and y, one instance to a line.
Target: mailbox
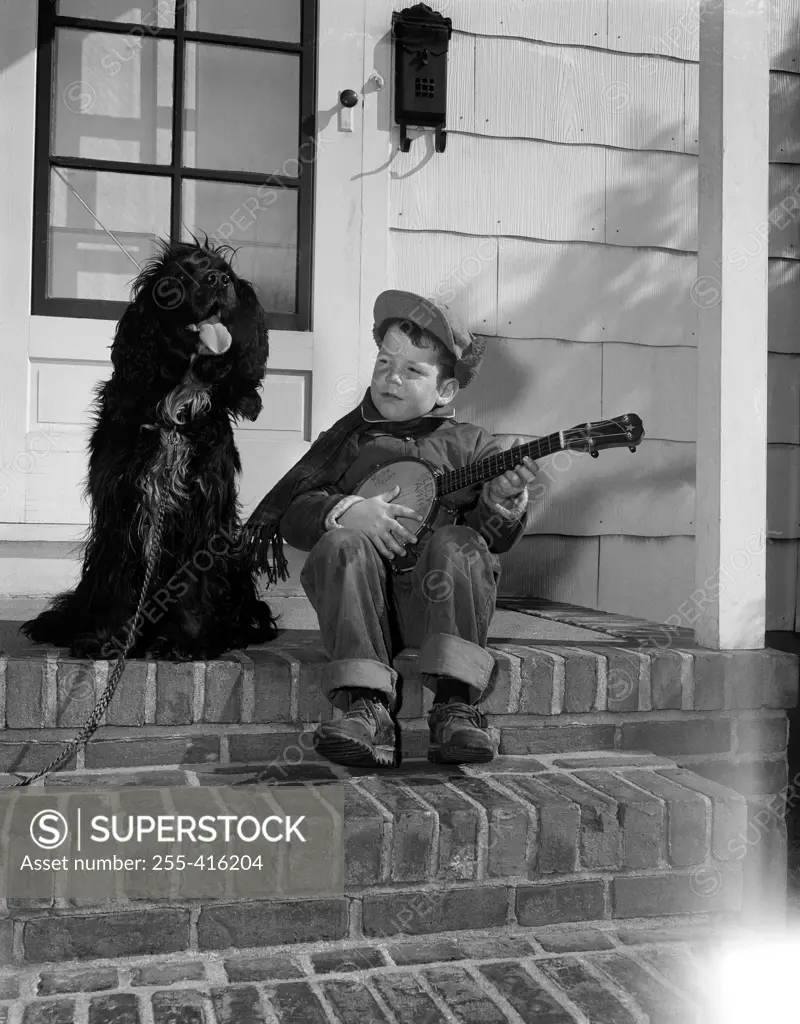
422	37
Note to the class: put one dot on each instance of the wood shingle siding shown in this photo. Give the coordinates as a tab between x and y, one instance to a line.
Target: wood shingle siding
562	221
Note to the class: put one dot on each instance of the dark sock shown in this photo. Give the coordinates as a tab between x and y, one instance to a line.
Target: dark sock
448	689
356	693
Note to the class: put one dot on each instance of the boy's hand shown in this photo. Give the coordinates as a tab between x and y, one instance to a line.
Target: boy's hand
513	482
376	518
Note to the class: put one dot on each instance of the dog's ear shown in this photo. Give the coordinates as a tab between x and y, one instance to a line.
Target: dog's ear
252	333
134	353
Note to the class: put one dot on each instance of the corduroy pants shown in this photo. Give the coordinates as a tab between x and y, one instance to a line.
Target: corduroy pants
367	614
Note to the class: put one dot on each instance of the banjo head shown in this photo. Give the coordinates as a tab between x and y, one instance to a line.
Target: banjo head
417	483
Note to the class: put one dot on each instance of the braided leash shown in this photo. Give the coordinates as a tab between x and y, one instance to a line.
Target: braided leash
100	707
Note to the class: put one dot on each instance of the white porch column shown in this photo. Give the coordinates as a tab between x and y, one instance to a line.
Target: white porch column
731	295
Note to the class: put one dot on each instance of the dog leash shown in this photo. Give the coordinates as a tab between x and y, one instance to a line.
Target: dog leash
93	721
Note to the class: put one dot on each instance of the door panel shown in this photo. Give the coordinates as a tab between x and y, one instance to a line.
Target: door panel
45	396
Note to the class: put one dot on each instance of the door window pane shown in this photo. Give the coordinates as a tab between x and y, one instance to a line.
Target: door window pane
261	223
242	110
112	97
83	261
152	13
245	110
256	19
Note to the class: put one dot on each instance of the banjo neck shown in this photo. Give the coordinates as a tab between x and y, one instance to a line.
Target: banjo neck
494	465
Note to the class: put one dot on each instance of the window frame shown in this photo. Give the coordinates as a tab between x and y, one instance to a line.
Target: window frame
303	184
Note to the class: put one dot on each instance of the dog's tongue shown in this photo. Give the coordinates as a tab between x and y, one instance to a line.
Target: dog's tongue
214	335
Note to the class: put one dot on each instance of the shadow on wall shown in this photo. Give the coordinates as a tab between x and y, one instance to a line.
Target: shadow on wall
635	286
569	315
18	35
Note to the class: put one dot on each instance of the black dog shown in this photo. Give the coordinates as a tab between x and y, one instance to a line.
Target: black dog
189	355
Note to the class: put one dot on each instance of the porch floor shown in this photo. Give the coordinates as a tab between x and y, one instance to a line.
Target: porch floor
516	620
511	622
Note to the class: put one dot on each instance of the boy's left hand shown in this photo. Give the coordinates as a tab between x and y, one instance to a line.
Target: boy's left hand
513	482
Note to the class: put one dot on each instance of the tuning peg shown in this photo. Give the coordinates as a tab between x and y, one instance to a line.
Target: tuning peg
595	455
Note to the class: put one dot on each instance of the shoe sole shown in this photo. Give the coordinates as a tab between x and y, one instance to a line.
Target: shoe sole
462	756
348	751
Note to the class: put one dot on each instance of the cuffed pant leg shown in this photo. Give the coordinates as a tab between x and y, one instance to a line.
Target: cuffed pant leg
344	578
442	654
450	606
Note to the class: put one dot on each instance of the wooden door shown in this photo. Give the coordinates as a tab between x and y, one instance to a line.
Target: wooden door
53	358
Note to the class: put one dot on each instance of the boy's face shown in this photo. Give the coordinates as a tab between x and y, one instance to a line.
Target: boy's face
405	379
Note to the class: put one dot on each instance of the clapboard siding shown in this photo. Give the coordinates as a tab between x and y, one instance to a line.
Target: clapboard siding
489	186
784	117
461	83
557	21
660	384
457	269
648	577
691	107
661	27
576	193
672	27
562	222
797	591
646	494
656	26
651	199
783	401
781	583
546	386
783	490
561	569
595	293
784	306
783	407
578	95
653	578
784	204
549	191
571	292
785	35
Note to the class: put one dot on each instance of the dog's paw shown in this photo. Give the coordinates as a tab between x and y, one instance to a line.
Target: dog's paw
89	647
249	407
168	652
175	649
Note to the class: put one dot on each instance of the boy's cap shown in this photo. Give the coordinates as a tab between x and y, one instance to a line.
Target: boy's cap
440	321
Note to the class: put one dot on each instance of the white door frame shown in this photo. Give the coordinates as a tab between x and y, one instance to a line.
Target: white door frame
351	233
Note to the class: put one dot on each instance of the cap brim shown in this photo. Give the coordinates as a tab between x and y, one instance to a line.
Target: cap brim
398	305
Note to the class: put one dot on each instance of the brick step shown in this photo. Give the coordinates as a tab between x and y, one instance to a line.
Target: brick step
567	839
638	971
724	707
745	752
280	682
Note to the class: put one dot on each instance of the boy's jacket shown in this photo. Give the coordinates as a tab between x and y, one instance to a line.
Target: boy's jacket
438	439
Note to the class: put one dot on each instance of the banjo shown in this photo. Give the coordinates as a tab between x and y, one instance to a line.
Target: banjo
423	488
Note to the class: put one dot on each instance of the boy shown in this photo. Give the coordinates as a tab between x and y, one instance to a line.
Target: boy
367	615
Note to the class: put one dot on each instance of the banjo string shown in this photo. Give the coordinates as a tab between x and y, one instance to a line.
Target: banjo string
550	445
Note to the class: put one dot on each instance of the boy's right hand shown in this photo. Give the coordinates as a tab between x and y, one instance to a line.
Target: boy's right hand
376	518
